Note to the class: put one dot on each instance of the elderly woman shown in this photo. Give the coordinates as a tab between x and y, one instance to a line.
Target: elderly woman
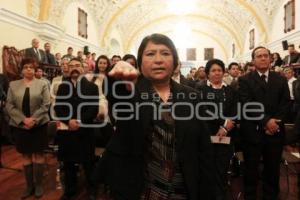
224	102
160	149
27	104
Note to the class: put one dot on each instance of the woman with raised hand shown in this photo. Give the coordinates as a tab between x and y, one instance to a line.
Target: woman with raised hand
160	149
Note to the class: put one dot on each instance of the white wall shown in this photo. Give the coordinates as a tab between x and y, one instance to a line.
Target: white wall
277	31
17	29
277	34
201	42
70	22
115	48
246	56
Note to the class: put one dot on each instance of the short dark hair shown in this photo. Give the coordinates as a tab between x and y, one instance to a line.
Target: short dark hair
247	65
211	62
69	48
26	61
193	68
39	67
288	68
130	56
259	47
157	38
291	45
76	59
231	64
116	56
96	71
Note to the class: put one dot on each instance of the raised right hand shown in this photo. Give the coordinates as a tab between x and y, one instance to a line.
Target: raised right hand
124	71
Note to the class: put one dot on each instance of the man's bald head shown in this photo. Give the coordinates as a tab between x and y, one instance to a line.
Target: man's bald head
35	43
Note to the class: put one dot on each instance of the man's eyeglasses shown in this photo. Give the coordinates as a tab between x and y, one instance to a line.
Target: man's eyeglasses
73	66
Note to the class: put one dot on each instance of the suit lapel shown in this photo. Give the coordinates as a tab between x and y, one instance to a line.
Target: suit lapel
179	134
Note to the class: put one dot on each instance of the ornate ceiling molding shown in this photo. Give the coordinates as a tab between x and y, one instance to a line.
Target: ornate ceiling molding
113	18
197	16
241	3
262	26
44	10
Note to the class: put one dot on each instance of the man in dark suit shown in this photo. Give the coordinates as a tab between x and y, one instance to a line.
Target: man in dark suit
293	56
3	86
35	52
3	93
262	132
232	78
49	57
179	78
76	107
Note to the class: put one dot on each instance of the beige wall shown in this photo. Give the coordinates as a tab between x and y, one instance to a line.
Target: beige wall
18	6
277	34
17	29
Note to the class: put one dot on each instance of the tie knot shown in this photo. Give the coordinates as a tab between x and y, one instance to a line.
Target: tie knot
263	77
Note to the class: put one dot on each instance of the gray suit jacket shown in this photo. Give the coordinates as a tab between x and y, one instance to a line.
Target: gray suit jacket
30	53
39	102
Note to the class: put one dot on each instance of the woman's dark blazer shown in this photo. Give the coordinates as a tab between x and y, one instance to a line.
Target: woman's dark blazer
229	106
125	153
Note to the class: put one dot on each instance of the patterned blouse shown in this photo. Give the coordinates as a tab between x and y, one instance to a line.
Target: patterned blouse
164	178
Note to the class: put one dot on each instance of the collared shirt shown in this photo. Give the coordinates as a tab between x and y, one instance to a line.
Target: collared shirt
211	85
266	74
290	83
37	53
177	78
233	78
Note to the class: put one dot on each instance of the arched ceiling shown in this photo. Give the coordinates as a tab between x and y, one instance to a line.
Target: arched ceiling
228	21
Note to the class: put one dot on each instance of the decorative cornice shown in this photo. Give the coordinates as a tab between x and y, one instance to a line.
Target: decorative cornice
292	37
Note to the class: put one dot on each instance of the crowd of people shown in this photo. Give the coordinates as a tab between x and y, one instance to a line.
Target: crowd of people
166	136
